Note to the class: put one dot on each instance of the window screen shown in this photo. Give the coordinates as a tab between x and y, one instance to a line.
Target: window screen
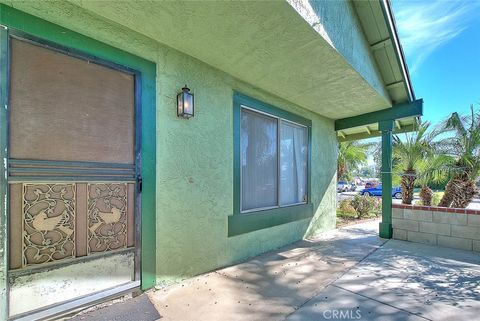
293	163
274	161
259	161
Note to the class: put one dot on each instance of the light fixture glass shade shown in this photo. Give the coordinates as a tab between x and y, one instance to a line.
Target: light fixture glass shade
185	103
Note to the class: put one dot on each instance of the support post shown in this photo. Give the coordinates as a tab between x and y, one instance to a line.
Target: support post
385	229
4	64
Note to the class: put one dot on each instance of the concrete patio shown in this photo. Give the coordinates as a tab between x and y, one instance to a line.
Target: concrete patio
346	274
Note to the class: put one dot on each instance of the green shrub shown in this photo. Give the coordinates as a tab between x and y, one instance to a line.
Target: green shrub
436	198
377	206
346	216
347	209
364	205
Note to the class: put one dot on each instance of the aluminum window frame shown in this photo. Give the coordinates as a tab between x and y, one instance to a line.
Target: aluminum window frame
279	121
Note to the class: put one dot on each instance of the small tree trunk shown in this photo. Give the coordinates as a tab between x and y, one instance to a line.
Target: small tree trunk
408	182
426	194
465	195
341	170
452	189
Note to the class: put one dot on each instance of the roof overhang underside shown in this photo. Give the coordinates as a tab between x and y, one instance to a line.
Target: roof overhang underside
270	45
379	28
402	117
265	43
371	130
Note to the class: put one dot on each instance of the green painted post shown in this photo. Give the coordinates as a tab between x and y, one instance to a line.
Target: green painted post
385	229
3	172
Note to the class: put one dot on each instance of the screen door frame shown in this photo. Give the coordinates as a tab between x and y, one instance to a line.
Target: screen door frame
45	34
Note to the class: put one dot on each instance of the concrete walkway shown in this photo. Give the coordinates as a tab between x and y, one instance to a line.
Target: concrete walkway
346	274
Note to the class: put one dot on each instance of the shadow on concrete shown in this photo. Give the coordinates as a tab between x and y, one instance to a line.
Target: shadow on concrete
349	270
270	286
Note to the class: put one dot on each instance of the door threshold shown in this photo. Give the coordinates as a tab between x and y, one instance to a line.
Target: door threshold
63	308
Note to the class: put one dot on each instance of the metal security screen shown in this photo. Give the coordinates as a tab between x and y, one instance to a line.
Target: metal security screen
71	157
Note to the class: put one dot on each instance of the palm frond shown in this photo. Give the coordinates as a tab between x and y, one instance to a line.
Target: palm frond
464	145
436	169
351	155
413	147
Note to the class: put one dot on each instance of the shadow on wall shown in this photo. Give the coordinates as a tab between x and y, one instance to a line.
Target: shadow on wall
323	218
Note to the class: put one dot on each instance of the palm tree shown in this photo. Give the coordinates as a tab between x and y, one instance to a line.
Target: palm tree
350	155
408	153
434	169
464	145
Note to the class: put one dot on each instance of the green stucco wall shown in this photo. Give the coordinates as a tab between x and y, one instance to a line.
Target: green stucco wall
337	22
291	59
195	173
195	157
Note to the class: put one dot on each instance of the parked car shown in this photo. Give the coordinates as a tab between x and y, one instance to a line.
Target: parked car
371	184
377	191
343	186
353	187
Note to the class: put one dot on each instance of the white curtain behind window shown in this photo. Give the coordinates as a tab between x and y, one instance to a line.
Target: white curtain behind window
258	160
293	163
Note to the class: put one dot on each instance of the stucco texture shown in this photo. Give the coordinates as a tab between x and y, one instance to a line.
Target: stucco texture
195	157
291	59
195	173
338	24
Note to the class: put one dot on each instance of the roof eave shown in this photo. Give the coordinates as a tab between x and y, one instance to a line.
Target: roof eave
391	24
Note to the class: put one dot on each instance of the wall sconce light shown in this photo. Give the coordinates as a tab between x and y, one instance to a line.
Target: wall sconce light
185	103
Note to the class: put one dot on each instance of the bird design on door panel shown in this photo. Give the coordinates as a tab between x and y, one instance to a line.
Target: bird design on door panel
48	222
107	216
42	222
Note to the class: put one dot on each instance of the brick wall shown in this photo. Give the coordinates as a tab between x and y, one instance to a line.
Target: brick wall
447	227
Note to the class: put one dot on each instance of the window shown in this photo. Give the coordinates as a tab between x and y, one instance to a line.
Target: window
271	166
273	161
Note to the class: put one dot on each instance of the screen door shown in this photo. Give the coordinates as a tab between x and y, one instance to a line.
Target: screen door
73	164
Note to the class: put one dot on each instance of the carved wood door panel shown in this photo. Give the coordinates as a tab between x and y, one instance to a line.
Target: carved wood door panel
73	159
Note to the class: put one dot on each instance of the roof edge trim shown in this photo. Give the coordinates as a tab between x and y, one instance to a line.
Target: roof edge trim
392	29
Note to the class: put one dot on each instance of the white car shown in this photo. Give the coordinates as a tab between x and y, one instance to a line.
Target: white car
343	187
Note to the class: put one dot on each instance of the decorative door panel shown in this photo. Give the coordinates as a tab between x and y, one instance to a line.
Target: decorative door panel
107	217
48	223
72	171
53	222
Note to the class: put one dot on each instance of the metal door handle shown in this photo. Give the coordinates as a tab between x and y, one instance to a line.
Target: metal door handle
139	183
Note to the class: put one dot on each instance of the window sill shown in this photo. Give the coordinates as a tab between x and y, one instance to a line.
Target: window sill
248	222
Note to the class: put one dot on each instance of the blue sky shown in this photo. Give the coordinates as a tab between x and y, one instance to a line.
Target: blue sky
441	41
